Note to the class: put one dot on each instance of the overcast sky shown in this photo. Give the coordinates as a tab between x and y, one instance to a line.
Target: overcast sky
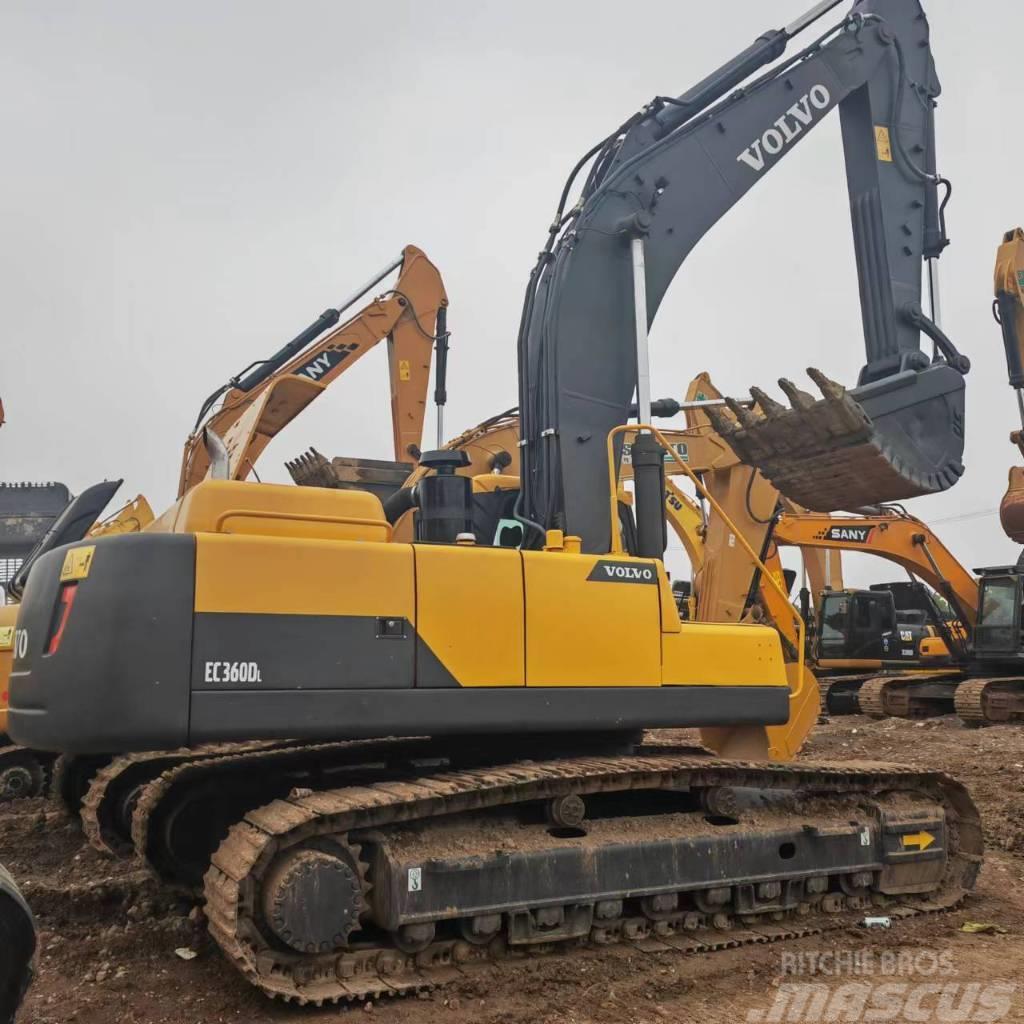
187	185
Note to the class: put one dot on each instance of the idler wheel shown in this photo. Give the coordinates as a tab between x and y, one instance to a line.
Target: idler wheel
313	897
21	779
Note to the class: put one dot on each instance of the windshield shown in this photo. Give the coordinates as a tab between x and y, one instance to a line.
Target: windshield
833	618
998	602
997	624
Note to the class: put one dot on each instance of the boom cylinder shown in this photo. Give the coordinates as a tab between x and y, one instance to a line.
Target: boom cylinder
649	485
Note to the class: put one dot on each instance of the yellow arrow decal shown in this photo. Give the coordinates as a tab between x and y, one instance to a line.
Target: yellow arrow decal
922	840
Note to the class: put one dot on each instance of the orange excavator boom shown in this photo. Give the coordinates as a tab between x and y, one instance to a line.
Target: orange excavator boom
257	404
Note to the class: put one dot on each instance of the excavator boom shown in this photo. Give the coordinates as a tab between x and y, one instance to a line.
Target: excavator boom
259	403
660	182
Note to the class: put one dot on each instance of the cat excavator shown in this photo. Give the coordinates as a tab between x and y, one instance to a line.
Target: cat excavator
458	770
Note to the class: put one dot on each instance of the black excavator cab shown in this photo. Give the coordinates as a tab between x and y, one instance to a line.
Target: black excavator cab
997	635
885	623
853	623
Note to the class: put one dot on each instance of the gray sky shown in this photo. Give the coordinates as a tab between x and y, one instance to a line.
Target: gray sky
187	185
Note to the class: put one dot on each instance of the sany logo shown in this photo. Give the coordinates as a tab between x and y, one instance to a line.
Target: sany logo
852	534
327	360
786	128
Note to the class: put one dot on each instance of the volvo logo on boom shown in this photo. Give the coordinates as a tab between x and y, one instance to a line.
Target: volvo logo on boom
783	131
607	571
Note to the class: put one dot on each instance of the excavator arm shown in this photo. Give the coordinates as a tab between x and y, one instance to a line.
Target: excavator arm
1008	309
270	394
663	179
901	539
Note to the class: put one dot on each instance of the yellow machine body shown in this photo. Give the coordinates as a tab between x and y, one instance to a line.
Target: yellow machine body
308	619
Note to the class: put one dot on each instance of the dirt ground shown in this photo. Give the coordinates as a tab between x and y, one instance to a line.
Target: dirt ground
108	935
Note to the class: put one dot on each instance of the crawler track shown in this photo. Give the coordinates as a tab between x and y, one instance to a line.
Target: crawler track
909	695
106	808
987	701
307	822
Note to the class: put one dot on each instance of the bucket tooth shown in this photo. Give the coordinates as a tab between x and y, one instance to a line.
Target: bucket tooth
833	391
747	418
800	400
766	403
844	414
723	424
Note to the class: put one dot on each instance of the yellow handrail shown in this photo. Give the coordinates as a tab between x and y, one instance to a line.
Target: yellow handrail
300	517
765	571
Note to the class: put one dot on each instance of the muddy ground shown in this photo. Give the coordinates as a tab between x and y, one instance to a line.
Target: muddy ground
108	936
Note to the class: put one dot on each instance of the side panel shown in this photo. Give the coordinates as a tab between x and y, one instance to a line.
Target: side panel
591	621
704	654
469	616
119	679
8	618
291	614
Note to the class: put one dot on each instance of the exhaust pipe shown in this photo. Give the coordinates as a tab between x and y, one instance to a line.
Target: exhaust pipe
217	450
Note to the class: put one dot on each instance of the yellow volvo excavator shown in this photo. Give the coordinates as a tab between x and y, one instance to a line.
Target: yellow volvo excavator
234	426
512	681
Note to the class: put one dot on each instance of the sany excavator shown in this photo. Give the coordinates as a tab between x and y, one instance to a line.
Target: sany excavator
995	690
512	682
258	403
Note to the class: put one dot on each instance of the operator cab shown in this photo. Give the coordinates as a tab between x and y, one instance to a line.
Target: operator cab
852	624
998	632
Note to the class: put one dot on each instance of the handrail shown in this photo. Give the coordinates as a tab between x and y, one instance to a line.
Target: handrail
301	517
765	571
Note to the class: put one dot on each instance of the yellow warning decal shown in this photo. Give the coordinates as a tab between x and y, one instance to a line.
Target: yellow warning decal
922	840
77	563
882	144
6	638
403	369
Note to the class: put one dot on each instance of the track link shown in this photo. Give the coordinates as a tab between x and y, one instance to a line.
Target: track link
70	779
376	968
989	701
107	806
871	697
906	695
154	811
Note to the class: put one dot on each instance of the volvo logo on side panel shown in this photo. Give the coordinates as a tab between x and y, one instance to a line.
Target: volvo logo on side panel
607	571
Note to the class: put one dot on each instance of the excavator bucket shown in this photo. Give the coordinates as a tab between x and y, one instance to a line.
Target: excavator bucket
1011	508
886	441
26	513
